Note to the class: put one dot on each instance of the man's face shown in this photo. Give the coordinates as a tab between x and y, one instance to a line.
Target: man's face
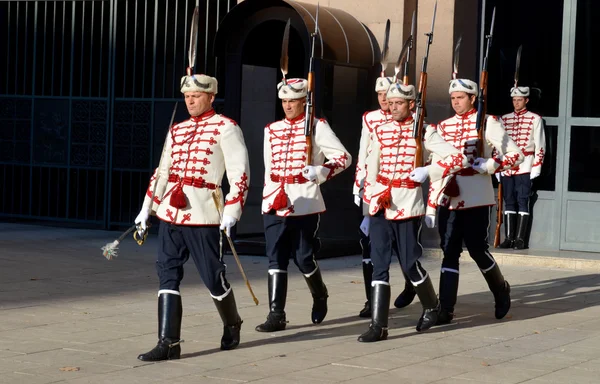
519	103
383	101
293	107
198	102
400	108
462	102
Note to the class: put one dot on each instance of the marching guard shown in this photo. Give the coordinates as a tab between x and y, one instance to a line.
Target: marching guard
527	131
292	200
393	192
370	121
463	200
196	155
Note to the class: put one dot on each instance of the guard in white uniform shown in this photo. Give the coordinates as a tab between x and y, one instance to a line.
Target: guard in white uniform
527	131
463	200
393	192
197	153
292	200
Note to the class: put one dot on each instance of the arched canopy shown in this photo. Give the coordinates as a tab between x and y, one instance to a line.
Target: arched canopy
342	39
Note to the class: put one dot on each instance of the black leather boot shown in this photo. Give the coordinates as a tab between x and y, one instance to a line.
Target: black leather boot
368	277
170	311
407	295
448	292
277	282
380	301
510	230
232	322
430	303
319	293
501	290
523	224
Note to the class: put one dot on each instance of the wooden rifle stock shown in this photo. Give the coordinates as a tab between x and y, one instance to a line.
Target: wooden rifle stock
309	116
482	109
499	216
420	116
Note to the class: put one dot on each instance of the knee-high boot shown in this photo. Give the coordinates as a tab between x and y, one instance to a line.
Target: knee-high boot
367	267
448	292
317	288
170	311
278	284
510	230
232	322
430	303
521	231
501	290
380	303
407	295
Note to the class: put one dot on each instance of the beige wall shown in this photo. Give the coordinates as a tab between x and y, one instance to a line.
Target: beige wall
454	18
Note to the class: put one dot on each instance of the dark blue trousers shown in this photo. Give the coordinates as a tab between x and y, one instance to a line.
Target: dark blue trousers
516	191
177	243
468	225
399	237
292	237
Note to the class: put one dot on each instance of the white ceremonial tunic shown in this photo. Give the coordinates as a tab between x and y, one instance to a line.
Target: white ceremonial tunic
285	152
392	159
475	189
197	153
527	131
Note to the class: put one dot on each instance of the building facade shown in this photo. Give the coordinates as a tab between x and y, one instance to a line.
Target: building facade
87	89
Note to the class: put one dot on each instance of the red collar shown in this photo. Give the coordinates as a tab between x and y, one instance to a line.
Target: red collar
295	120
521	112
408	119
211	112
466	114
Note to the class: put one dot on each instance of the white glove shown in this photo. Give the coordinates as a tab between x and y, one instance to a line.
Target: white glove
419	175
498	177
534	173
142	220
310	173
226	223
479	165
364	225
430	221
357	201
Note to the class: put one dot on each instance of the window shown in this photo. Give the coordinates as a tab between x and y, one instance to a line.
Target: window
585	146
586	78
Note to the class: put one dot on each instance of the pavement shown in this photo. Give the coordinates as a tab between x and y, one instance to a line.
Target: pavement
68	315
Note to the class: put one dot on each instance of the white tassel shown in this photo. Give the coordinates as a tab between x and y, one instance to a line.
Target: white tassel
110	250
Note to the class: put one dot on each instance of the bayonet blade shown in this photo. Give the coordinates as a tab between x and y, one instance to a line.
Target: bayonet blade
493	21
283	63
401	57
518	65
386	47
317	20
193	39
413	28
433	18
456	57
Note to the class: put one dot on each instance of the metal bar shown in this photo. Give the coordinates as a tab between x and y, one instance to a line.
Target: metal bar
81	70
165	47
153	84
17	49
96	189
144	56
206	38
174	45
53	49
101	50
91	29
62	53
135	48
32	128
110	116
8	61
121	200
125	42
77	195
43	89
25	52
72	61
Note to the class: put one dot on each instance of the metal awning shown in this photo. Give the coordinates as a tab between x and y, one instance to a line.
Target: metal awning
342	39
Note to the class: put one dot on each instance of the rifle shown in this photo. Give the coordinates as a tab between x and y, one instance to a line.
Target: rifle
421	97
482	97
410	47
309	113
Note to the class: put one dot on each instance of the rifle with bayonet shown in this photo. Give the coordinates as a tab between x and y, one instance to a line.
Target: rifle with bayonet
309	113
482	97
421	97
410	47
